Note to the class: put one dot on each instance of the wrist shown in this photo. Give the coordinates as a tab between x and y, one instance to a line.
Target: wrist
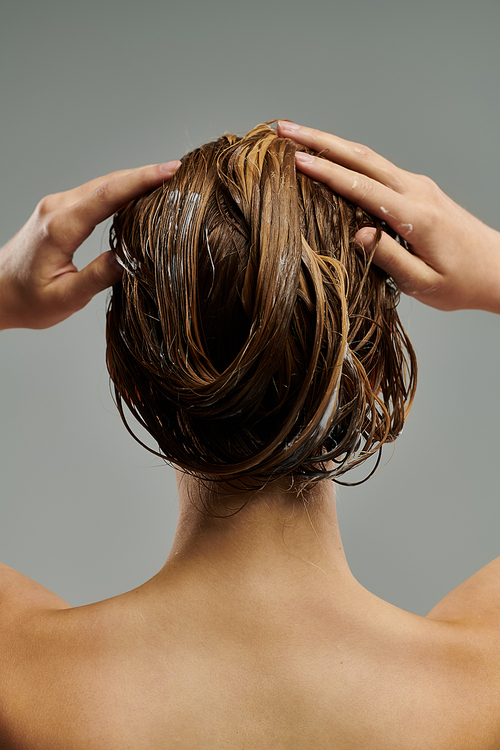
490	272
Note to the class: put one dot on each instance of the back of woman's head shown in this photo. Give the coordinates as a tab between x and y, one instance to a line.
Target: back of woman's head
247	335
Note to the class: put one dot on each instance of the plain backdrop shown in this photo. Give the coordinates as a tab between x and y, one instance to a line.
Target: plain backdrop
91	87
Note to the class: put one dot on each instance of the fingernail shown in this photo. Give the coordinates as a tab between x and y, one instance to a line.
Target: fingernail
288	127
364	239
169	167
114	262
303	158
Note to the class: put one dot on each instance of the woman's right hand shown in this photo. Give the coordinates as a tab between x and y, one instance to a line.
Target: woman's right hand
454	259
39	283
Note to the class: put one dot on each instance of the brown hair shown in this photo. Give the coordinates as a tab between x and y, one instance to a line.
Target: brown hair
247	335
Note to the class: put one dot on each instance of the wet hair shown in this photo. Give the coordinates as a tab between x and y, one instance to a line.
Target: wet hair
247	335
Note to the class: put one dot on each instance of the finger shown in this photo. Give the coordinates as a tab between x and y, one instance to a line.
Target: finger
116	191
68	227
77	289
361	190
411	274
352	155
123	185
75	223
70	197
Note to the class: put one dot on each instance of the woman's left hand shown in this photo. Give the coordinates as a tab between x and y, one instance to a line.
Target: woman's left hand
39	284
453	260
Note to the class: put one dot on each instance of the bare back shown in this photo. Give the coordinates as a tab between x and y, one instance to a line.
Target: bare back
192	671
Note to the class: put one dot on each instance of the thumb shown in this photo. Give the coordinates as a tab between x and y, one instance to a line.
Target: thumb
410	273
100	274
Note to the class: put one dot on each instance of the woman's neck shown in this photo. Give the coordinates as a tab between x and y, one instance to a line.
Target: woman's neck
291	536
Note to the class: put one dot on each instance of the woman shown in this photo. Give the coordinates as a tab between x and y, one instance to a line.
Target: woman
254	633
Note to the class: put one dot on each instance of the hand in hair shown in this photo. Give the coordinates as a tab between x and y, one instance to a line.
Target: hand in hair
454	259
247	335
39	284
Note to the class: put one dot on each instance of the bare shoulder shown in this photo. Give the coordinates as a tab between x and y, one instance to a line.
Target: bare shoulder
24	606
20	594
471	615
475	602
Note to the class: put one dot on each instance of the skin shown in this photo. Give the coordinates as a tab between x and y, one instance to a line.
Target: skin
454	259
39	283
254	634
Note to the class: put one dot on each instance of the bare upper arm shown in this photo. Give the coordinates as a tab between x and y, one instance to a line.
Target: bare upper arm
18	594
475	601
23	638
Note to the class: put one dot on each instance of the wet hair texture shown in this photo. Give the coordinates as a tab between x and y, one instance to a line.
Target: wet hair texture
247	335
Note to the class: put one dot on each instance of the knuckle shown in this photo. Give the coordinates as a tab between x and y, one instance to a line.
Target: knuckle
315	137
427	219
46	205
363	151
103	191
52	228
364	186
96	276
423	285
57	230
427	186
426	180
411	286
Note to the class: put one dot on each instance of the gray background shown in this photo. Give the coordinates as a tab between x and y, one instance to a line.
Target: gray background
92	87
